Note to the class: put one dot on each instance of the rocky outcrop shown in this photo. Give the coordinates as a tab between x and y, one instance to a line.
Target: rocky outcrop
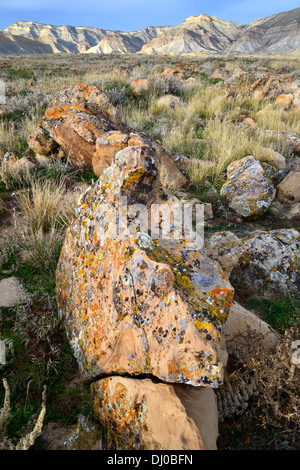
249	190
78	124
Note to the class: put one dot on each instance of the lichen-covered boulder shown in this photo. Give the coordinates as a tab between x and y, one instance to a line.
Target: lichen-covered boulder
41	142
271	261
249	190
138	304
144	415
78	123
111	142
226	248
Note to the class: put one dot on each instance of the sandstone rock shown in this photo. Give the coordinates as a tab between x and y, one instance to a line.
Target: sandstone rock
241	322
284	101
250	122
296	98
226	248
12	292
41	142
248	189
273	158
271	261
110	143
144	415
25	164
293	211
81	93
77	125
139	305
173	72
140	86
289	188
42	159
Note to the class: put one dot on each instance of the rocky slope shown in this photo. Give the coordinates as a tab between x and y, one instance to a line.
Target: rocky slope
203	33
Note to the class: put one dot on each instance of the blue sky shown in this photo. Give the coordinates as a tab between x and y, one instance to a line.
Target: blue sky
130	15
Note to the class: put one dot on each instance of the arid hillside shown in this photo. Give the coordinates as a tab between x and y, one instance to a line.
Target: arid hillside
276	34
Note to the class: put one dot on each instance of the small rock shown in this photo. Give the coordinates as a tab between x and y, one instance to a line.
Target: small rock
25	164
273	158
139	86
250	122
12	292
284	101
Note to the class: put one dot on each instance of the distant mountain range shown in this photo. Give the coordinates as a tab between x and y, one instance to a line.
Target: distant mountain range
277	34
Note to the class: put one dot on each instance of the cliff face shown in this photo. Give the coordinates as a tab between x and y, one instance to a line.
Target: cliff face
273	35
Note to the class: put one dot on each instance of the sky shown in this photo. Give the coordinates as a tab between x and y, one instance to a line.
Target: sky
132	15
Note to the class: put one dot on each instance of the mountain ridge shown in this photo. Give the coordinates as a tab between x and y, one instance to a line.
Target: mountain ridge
275	34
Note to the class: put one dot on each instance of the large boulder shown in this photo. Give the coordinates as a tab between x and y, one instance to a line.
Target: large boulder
77	122
240	325
138	304
144	415
271	261
249	190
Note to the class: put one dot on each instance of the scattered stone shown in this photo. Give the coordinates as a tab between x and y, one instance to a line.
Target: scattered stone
144	415
9	158
250	122
284	101
140	86
248	190
173	72
78	126
12	292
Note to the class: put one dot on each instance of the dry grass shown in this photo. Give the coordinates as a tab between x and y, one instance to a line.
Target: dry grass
47	206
